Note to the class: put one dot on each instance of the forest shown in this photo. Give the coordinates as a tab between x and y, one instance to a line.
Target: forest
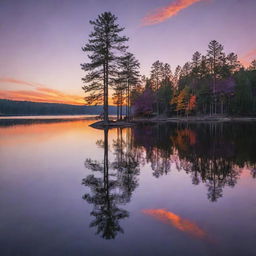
211	83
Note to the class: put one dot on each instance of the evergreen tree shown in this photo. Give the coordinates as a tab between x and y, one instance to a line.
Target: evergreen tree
167	74
215	58
104	46
156	78
196	62
176	77
129	75
232	62
253	65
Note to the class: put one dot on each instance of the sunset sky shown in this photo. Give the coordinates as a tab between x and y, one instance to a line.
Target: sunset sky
40	45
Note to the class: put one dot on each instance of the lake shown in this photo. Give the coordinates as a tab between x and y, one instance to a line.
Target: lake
163	189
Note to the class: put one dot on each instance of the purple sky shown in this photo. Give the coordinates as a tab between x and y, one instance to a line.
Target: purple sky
41	40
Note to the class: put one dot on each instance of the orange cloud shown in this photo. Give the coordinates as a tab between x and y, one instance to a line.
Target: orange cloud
167	12
176	221
248	57
15	81
39	93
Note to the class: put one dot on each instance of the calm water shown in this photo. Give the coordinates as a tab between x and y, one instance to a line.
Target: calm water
69	189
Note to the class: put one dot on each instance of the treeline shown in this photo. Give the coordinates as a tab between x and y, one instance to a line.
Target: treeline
211	83
9	107
214	83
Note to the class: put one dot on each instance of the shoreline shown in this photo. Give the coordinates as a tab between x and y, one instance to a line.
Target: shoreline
194	119
136	121
112	124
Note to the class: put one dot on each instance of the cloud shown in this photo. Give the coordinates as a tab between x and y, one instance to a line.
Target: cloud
38	93
15	81
167	12
176	221
248	57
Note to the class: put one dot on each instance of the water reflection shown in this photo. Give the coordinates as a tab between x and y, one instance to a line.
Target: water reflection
176	221
213	154
111	185
165	169
32	120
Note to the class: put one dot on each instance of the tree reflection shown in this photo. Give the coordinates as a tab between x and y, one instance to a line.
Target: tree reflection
126	164
111	185
154	141
213	154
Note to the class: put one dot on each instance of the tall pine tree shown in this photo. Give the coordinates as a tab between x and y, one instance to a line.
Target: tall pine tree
104	46
129	73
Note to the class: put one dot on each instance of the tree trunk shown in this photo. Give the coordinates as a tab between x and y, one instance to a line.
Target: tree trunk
128	100
121	105
215	104
157	100
106	97
106	158
104	93
117	109
127	103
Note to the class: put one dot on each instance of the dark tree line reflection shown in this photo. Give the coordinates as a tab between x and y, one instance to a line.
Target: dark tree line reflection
111	184
213	154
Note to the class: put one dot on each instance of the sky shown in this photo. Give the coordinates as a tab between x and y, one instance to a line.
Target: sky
40	41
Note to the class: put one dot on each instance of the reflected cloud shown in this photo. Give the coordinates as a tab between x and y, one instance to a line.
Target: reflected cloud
176	221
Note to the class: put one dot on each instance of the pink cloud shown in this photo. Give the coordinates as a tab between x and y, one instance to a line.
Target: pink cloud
167	12
248	57
15	81
38	93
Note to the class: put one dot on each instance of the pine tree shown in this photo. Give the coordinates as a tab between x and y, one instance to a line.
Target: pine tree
167	74
232	62
104	46
215	59
119	94
196	62
156	78
253	65
129	74
176	77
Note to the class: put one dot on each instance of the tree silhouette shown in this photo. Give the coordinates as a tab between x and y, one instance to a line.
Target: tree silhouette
104	46
113	189
128	77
